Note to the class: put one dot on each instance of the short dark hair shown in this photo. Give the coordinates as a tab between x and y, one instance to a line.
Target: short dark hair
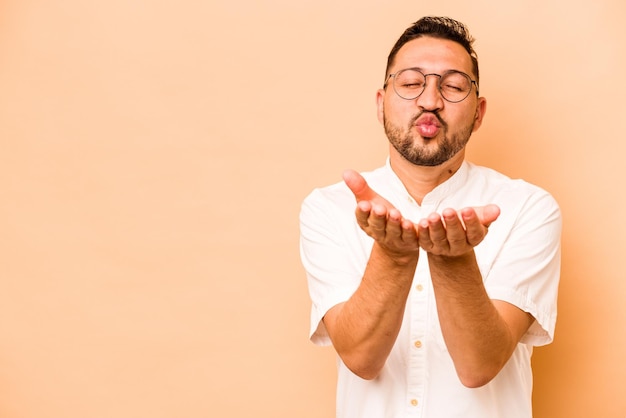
436	27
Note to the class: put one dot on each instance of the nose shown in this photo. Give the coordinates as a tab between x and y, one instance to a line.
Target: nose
431	98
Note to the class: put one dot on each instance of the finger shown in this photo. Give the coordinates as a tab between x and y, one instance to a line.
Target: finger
378	222
437	230
475	230
362	212
455	231
394	225
423	235
432	234
409	232
400	230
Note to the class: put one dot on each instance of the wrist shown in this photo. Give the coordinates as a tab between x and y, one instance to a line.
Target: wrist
395	258
453	262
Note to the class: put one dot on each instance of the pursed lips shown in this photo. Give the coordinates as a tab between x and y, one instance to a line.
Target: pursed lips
428	125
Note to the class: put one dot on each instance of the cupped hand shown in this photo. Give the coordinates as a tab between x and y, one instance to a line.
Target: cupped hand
456	233
380	219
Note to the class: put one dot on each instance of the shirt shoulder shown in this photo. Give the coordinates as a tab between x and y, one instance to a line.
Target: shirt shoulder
487	181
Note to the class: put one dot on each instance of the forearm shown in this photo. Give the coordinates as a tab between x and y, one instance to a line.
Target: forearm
364	329
478	338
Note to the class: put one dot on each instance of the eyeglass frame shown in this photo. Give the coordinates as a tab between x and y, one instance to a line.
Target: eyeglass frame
438	83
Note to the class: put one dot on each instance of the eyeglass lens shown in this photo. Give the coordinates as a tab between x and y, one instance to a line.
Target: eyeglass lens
453	85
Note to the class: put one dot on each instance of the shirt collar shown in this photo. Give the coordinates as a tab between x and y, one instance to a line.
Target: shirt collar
439	193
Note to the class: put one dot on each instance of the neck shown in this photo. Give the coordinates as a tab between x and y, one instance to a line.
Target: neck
421	180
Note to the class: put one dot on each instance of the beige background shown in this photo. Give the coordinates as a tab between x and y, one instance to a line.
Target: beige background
154	154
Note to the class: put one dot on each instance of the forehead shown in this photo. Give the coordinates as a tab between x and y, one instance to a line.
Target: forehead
433	54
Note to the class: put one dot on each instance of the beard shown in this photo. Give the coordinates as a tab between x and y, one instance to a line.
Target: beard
436	154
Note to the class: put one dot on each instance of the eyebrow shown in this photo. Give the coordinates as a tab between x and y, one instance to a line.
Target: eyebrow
422	70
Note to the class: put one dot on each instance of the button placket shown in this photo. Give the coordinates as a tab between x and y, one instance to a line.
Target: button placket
417	355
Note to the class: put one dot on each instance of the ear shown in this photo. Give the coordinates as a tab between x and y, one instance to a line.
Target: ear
481	109
380	104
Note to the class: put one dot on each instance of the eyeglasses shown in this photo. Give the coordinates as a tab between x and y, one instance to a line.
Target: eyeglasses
453	85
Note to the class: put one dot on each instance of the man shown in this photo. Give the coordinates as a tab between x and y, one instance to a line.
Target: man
433	278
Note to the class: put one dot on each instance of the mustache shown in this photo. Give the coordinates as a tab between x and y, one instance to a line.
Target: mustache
435	114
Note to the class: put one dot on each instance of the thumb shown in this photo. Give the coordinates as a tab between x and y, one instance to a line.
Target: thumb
357	184
487	214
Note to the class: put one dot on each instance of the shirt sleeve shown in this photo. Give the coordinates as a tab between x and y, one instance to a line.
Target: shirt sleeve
333	251
526	270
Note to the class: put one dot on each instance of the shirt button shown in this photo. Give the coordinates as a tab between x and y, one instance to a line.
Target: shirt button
418	344
414	402
419	287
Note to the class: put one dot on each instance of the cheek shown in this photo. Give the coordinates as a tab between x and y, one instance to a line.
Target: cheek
399	114
463	117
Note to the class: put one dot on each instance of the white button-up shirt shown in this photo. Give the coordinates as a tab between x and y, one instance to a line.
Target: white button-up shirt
519	260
